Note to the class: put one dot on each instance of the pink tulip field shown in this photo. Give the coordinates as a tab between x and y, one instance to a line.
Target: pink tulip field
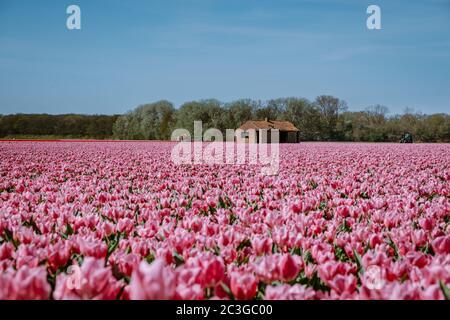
119	220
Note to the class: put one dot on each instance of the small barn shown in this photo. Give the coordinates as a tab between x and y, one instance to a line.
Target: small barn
288	133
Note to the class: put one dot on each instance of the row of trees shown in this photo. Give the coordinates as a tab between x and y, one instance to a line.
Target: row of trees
325	119
68	126
317	121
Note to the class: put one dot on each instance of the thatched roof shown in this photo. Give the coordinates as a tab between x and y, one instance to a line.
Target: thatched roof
269	124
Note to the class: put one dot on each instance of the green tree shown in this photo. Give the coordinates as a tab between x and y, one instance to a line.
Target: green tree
210	112
329	108
238	112
148	122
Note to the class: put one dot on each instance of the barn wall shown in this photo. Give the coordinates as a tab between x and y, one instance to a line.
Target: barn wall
284	136
292	137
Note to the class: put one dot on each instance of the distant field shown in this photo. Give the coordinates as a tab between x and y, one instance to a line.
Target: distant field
42	137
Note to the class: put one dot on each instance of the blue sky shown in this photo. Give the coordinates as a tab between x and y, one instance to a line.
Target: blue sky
133	52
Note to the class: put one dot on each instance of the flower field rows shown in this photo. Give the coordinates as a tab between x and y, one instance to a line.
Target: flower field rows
118	220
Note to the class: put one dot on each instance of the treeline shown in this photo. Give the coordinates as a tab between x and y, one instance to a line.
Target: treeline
57	126
325	119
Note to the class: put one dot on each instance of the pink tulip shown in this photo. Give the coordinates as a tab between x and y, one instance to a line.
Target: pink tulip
90	281
286	292
289	267
25	284
261	245
343	284
153	282
194	292
214	272
6	251
441	245
243	286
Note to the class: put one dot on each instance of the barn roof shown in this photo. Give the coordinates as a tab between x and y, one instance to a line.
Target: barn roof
269	124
